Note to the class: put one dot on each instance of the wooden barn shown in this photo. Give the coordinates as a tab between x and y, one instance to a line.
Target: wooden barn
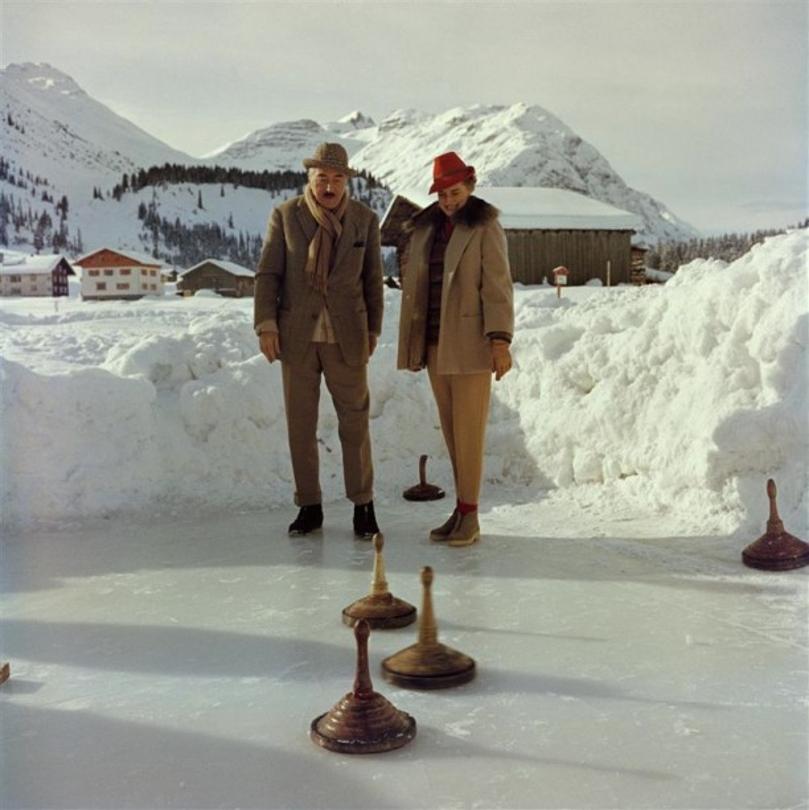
226	278
545	228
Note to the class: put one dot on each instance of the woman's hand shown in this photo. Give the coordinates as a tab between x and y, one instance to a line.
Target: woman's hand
501	357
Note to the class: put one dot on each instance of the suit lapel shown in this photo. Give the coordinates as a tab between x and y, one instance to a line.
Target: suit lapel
347	237
461	234
307	221
419	261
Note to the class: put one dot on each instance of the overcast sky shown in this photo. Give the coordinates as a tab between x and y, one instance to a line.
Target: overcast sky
701	104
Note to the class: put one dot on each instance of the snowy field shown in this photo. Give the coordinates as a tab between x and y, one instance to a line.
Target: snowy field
170	644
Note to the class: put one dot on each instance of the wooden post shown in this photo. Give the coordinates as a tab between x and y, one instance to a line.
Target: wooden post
559	279
609	273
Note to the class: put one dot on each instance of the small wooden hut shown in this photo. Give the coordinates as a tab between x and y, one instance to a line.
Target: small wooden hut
545	228
226	278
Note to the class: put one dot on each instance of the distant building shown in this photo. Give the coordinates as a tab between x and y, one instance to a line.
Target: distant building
545	228
225	278
43	276
119	274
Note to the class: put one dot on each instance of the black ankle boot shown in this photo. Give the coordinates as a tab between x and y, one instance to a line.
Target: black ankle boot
365	526
310	518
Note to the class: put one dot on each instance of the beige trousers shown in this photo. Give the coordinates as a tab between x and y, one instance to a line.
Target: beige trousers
463	408
349	392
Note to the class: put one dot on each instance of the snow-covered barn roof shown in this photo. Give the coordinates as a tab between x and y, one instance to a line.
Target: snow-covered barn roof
229	267
526	207
33	265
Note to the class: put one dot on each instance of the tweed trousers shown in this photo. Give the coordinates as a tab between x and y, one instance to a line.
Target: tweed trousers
463	408
349	392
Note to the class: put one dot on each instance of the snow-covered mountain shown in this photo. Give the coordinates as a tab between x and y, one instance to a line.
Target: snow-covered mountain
54	129
283	146
278	147
351	123
59	141
509	146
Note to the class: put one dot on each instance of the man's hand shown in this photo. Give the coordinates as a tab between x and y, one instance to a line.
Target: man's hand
372	339
501	358
270	345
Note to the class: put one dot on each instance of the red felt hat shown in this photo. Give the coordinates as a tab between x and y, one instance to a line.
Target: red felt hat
449	169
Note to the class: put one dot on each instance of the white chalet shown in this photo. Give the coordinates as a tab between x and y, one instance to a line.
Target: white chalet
109	273
44	276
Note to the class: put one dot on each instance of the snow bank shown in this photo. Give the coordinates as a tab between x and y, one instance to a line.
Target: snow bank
684	397
697	389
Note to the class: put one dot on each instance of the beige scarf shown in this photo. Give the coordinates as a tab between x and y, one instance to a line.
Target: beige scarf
330	226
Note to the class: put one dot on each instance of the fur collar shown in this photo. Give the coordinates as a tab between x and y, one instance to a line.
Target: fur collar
475	212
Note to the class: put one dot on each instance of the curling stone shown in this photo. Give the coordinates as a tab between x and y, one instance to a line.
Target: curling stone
363	722
776	549
423	491
381	609
427	664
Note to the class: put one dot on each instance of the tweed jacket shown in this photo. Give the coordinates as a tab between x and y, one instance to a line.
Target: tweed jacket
476	293
284	299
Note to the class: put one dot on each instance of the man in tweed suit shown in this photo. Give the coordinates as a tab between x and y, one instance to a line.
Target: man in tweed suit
318	308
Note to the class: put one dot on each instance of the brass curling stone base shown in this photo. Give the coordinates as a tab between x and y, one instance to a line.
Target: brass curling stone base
343	731
381	612
428	667
776	552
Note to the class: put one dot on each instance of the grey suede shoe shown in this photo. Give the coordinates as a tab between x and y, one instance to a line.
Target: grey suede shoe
466	531
441	533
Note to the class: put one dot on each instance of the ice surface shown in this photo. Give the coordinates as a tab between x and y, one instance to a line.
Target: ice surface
179	663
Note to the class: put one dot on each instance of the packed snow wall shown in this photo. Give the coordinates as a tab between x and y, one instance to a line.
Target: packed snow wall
684	396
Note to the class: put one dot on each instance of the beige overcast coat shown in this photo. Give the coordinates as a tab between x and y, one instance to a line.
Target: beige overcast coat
476	296
354	295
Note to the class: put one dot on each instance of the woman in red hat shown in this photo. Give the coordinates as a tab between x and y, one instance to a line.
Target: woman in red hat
457	320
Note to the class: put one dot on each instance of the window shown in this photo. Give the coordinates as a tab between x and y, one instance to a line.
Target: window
153	286
16	291
153	272
121	286
108	272
16	279
101	285
93	272
125	271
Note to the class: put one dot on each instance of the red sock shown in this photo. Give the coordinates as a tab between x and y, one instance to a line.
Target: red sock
466	508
